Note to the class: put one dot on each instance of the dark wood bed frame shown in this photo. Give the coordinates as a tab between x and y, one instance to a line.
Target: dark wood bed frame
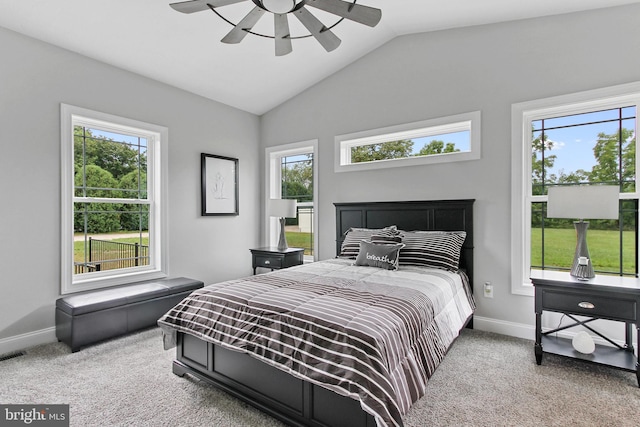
297	402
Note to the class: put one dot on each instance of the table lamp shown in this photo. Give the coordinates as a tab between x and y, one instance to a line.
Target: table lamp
282	208
579	202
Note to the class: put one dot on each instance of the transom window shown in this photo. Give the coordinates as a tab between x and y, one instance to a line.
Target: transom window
447	139
587	138
112	200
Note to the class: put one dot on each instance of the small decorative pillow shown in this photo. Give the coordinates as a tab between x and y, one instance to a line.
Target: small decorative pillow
437	249
351	243
379	255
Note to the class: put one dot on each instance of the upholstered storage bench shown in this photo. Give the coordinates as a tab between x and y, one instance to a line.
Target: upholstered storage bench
90	317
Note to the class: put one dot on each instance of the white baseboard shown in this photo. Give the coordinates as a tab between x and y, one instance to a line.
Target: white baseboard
30	339
520	330
503	327
487	324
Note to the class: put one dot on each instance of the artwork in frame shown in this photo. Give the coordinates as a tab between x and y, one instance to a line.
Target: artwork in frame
219	185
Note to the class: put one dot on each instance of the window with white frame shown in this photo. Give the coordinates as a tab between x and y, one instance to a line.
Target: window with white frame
113	200
291	173
582	139
442	140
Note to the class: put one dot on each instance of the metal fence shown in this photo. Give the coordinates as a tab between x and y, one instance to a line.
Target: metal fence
109	255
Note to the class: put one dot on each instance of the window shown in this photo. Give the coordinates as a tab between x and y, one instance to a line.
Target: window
292	170
582	139
447	139
113	189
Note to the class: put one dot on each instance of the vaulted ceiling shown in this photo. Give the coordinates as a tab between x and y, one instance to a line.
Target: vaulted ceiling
184	50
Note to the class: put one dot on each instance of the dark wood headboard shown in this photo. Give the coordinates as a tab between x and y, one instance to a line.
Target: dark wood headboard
439	215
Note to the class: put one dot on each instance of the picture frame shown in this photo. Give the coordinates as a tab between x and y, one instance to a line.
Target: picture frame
219	177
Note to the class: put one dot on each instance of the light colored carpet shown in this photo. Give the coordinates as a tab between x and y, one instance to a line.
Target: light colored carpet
485	380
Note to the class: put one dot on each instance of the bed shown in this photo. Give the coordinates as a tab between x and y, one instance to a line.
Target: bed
319	344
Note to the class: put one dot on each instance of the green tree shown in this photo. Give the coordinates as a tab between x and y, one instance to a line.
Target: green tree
297	181
437	147
578	177
616	164
616	159
112	169
134	185
383	151
116	157
541	162
99	217
134	217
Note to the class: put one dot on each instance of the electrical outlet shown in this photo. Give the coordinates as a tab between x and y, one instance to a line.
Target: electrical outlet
488	290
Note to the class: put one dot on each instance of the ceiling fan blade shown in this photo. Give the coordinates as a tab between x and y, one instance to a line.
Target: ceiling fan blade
325	37
200	5
355	12
282	34
246	24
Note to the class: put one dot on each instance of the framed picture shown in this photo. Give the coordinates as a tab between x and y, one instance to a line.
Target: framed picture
219	185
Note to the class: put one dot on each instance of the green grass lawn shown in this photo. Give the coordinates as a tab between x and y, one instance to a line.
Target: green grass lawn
300	240
604	245
560	245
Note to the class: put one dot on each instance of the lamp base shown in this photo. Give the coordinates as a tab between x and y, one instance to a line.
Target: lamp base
582	268
282	242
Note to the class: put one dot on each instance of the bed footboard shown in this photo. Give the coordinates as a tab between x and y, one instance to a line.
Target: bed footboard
291	400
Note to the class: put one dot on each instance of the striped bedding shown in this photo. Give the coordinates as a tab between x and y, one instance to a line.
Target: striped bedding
372	334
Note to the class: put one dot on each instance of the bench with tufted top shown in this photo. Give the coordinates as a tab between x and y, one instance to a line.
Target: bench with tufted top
94	316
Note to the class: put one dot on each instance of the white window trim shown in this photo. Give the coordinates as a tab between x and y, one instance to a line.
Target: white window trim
461	122
159	266
522	115
273	189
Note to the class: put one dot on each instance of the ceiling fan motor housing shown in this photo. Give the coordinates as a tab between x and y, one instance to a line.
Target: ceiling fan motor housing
279	6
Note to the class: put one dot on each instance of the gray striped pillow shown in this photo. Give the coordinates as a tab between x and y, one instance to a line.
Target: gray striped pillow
353	236
437	249
383	239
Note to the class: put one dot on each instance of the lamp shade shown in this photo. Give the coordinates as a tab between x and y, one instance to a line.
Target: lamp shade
583	201
282	208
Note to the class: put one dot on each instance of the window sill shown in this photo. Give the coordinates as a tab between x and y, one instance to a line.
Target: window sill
93	283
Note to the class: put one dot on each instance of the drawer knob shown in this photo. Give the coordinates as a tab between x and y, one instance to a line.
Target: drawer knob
267	262
587	305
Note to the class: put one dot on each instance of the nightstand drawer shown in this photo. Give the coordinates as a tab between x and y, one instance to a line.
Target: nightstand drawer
590	305
275	259
268	261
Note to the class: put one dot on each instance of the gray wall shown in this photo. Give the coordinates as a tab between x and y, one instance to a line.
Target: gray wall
443	73
34	79
411	78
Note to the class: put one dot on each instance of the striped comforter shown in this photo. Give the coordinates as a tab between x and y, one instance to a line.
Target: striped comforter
337	325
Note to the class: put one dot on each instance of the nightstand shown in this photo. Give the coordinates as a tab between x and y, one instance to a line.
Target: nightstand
271	257
603	297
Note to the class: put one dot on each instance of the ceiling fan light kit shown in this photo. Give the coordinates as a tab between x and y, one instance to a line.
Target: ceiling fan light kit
281	9
279	6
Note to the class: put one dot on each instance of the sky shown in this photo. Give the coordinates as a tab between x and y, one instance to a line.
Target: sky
132	140
573	146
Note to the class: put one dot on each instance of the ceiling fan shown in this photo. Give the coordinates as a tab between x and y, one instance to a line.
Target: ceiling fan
280	9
